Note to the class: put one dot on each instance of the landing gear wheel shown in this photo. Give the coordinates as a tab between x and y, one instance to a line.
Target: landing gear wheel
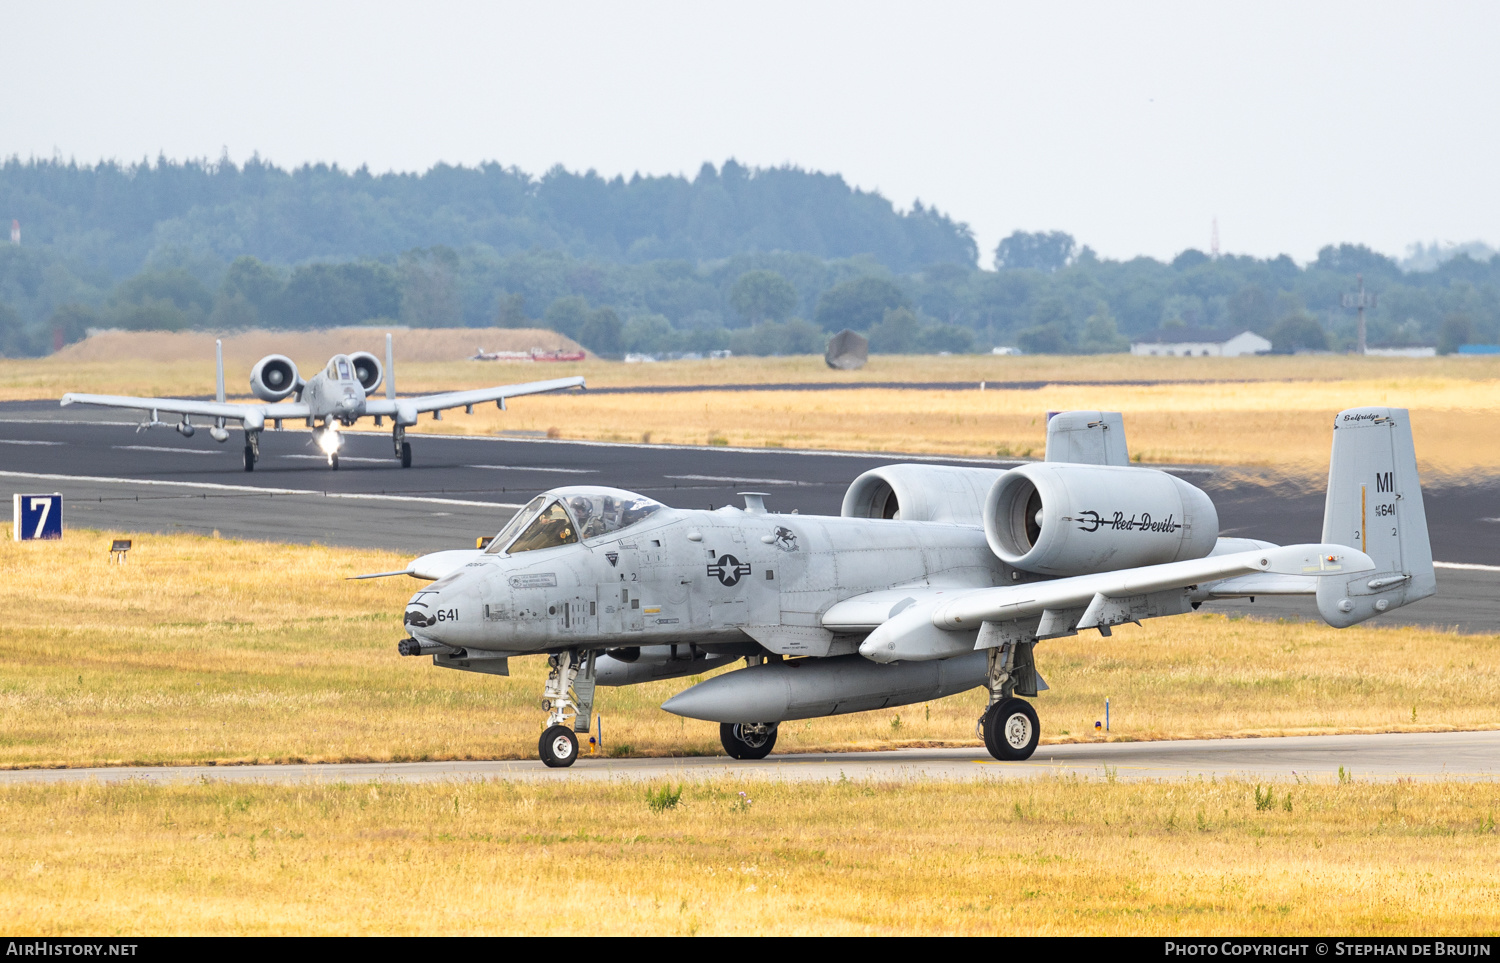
558	747
406	454
333	462
1011	730
748	740
249	458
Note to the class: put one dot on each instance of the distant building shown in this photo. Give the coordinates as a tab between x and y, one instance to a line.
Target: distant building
1401	351
1479	349
847	351
1200	342
1005	349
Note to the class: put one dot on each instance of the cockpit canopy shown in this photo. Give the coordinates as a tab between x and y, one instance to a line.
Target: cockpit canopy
566	515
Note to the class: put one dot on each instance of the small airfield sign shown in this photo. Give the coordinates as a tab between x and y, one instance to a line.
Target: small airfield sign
36	516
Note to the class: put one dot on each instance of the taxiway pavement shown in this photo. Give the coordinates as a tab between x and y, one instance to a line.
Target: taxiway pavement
461	487
1384	757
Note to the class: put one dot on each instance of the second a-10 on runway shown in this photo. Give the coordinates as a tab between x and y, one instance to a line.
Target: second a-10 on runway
933	580
340	394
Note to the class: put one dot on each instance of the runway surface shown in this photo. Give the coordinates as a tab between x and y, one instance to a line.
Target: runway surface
1383	758
462	487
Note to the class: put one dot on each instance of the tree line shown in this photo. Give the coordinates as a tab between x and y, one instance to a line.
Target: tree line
1043	291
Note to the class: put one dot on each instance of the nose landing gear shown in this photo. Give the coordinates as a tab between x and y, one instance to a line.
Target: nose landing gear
403	447
558	747
252	449
329	442
569	690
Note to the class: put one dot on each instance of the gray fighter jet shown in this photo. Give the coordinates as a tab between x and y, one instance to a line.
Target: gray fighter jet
933	580
340	394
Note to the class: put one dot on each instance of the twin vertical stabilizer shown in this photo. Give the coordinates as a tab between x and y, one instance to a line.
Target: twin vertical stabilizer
1087	438
1375	505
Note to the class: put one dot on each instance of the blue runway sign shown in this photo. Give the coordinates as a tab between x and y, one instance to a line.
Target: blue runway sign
37	516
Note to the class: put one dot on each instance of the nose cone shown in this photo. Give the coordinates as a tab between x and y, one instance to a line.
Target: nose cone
451	610
421	618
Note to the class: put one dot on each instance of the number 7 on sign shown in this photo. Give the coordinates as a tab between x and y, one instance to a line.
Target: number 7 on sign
45	504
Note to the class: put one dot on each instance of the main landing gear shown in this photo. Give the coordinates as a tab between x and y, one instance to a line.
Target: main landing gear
252	449
1009	725
748	740
569	691
403	447
1011	730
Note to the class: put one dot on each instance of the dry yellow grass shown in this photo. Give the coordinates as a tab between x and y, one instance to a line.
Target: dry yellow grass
1284	424
1269	411
213	650
84	367
1043	856
308	348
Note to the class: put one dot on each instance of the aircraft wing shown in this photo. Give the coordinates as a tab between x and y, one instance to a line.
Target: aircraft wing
863	613
252	415
1263	583
1008	602
463	399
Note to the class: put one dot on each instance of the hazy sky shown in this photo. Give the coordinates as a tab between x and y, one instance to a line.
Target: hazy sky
1131	127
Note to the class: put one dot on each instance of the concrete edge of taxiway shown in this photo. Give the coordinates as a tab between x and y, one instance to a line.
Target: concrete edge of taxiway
1428	756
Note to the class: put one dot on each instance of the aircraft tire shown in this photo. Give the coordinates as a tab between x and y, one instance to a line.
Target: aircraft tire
1011	730
740	745
249	458
333	462
406	454
558	747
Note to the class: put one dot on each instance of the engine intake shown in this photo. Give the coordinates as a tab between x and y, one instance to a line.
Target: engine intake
367	370
1067	519
921	493
274	377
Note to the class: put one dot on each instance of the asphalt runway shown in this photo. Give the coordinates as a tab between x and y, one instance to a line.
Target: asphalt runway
461	487
1387	757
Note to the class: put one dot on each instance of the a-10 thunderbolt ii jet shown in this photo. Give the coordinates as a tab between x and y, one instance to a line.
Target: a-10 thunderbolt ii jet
338	395
933	580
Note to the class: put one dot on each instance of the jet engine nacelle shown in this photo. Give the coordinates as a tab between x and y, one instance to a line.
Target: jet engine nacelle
1067	519
367	370
274	377
921	493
